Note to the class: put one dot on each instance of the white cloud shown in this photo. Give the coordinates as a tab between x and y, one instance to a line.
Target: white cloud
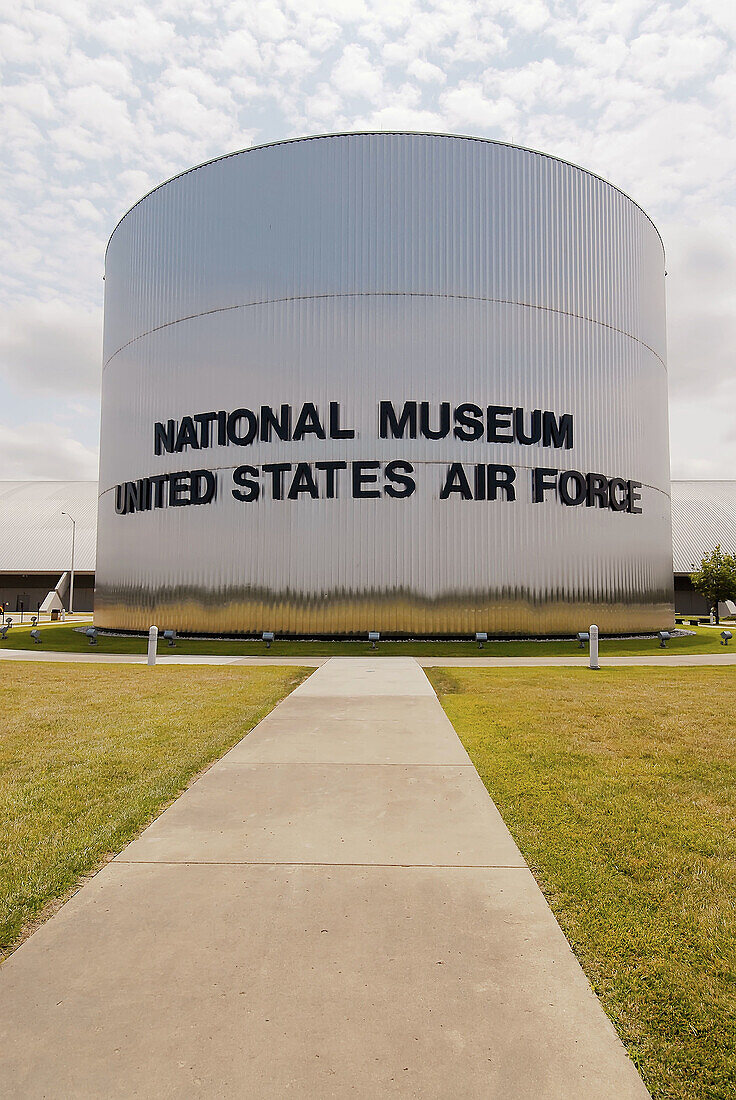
425	71
355	74
105	72
532	15
400	116
100	113
180	110
703	440
324	104
238	50
701	303
85	209
469	109
139	34
201	84
45	452
51	346
31	99
101	104
666	61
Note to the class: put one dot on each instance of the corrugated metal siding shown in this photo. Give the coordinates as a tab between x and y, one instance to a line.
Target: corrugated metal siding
386	213
370	267
35	537
32	540
703	516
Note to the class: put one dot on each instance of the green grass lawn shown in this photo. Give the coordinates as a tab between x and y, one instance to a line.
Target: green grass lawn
620	789
89	755
64	638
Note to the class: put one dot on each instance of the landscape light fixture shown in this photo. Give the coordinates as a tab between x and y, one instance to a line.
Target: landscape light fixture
267	638
36	635
481	637
92	635
71	581
727	636
664	636
583	637
373	637
5	628
170	636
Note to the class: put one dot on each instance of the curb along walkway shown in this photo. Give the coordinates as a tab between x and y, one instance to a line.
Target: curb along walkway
334	909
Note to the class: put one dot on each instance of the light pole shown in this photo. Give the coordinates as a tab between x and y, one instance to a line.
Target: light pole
71	583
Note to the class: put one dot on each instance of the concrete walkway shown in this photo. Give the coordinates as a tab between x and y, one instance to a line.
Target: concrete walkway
334	909
656	659
163	659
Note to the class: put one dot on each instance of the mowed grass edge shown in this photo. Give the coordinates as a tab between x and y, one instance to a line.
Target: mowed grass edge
620	789
90	755
63	638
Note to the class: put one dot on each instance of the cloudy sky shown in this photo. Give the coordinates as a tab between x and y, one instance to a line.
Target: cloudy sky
102	101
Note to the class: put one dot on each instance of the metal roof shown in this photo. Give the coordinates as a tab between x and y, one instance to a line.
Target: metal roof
703	514
35	537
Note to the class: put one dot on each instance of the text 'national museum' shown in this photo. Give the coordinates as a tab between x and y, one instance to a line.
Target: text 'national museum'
395	382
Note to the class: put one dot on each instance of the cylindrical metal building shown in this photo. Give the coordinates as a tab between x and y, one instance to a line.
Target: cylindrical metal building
399	382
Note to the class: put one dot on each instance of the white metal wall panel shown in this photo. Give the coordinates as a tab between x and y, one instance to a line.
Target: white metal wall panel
703	516
35	537
361	268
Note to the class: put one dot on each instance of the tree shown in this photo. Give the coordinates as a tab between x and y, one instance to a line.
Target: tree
716	578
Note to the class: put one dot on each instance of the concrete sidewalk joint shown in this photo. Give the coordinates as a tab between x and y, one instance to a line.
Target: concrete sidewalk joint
335	908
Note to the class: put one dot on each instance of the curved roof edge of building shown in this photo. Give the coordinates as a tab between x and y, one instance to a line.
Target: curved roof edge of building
385	133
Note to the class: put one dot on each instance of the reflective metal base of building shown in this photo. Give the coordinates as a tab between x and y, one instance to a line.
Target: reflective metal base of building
397	615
